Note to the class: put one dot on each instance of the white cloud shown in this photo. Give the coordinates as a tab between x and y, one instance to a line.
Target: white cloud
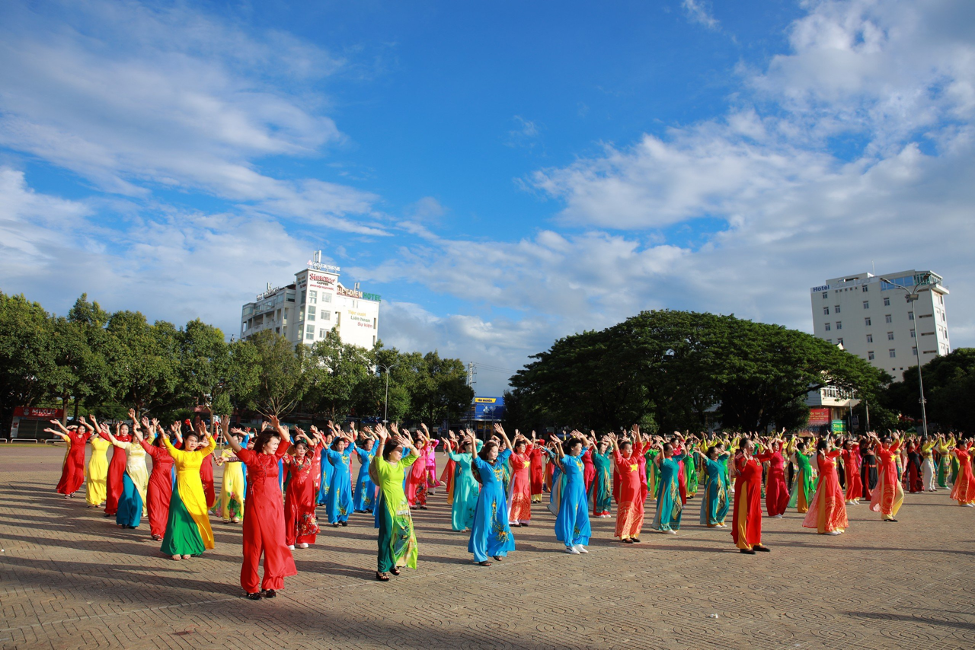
175	266
699	11
133	99
796	211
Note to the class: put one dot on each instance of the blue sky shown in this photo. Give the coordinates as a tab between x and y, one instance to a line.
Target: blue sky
502	173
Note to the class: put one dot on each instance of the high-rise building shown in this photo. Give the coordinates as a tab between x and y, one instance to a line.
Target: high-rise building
305	310
870	316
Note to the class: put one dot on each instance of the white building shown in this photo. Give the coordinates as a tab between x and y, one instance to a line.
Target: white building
870	317
305	311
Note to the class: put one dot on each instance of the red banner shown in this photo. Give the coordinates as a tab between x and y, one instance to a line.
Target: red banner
819	417
38	413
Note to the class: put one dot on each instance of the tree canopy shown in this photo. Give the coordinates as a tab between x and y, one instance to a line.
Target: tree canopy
672	369
105	363
948	385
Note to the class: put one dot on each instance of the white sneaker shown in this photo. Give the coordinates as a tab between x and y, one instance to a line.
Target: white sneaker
777	517
291	547
581	548
835	532
572	551
671	532
303	545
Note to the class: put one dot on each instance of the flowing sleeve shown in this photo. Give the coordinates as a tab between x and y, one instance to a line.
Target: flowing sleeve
174	452
407	462
505	455
211	446
246	455
282	450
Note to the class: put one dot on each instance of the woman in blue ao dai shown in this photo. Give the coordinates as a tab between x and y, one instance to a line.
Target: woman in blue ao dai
491	535
573	520
325	481
366	489
668	516
340	498
464	486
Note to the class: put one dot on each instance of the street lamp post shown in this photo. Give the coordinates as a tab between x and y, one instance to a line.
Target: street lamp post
386	387
911	298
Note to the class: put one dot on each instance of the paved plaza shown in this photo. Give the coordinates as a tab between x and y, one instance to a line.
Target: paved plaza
70	578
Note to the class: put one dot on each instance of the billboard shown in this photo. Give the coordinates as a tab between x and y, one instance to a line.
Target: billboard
838	426
488	408
819	417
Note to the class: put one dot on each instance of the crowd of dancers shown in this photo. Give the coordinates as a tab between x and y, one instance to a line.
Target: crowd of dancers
275	478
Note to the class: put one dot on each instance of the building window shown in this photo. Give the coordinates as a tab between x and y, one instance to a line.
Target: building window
864	288
824	295
827	327
837	324
892	353
891	336
311	313
841	342
302	296
374	324
323	315
326	296
914	351
885	301
865	304
871	355
828	340
310	332
312	297
868	338
868	322
837	309
826	311
888	318
322	333
912	333
910	316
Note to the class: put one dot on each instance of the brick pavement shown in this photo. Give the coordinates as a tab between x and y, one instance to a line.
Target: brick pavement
69	578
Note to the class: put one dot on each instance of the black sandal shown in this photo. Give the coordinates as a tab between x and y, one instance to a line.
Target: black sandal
395	571
748	551
382	577
269	593
255	596
498	558
762	549
484	563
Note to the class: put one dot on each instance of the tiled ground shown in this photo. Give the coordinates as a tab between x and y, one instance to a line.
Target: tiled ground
69	578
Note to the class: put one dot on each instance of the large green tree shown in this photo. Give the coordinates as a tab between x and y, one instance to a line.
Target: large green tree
333	373
204	367
670	369
28	366
948	385
143	362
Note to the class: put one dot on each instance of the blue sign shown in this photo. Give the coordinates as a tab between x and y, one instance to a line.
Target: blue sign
488	408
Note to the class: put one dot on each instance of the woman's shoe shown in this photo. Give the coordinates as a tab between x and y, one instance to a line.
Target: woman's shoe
269	593
255	596
748	551
382	577
395	571
484	563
